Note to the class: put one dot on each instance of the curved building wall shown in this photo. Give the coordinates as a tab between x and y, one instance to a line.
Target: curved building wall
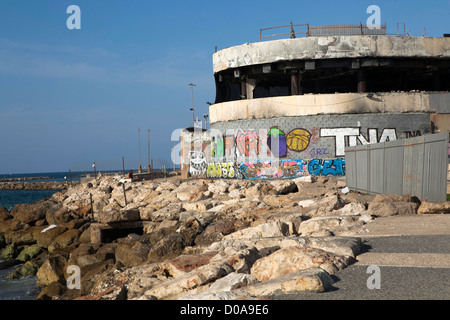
264	126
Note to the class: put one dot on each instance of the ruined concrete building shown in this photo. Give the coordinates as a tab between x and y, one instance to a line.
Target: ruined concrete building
289	107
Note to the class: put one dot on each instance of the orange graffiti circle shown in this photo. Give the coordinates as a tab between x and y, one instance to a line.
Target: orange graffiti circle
298	140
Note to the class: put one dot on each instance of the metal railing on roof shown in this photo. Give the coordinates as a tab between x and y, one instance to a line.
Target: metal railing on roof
323	31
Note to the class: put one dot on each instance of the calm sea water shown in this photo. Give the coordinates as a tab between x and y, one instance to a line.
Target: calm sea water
25	288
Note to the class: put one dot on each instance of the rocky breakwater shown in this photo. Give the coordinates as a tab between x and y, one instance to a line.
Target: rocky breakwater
191	239
34	185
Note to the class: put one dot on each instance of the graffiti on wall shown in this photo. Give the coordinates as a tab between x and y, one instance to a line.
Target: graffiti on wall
353	135
292	168
335	167
197	164
223	170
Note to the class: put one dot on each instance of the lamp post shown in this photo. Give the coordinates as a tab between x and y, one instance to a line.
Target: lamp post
206	121
192	109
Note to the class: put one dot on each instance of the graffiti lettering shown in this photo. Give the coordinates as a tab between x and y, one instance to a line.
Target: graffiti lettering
353	134
412	134
335	167
273	169
315	152
247	143
223	170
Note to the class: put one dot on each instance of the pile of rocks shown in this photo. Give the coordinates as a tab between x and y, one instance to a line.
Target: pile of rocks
200	239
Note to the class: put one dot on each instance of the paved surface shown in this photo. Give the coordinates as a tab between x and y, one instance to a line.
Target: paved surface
413	256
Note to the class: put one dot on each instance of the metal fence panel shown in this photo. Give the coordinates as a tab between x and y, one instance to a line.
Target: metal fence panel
415	166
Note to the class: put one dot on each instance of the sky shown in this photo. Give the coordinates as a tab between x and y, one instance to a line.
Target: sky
71	97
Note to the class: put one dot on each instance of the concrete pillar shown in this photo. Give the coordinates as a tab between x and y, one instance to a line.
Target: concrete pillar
250	84
243	89
294	84
362	81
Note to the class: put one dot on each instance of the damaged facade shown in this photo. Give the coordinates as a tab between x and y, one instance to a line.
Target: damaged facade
288	108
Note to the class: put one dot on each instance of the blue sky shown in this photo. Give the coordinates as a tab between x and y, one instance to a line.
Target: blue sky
72	97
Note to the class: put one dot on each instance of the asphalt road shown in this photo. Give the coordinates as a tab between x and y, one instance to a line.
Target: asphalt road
413	256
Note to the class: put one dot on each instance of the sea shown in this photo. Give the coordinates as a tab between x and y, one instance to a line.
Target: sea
25	288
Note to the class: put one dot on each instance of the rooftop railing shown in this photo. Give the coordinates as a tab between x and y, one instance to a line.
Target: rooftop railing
324	31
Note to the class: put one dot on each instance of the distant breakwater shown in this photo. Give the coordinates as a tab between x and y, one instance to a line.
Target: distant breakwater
46	185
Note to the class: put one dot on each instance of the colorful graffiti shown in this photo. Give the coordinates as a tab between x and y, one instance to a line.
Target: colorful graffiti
276	141
298	140
248	143
223	170
197	164
335	167
292	168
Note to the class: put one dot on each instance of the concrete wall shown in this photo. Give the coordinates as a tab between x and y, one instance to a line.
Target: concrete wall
339	103
330	48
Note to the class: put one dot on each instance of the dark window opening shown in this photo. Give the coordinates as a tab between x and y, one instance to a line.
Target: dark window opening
334	76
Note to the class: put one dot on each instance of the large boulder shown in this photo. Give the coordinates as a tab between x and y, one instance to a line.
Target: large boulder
131	255
52	270
386	209
30	213
169	247
292	259
427	207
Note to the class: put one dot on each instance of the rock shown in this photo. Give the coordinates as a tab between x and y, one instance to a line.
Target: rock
309	280
350	209
391	198
2	241
273	229
4	214
186	263
222	288
334	223
189	230
219	187
244	259
10	225
29	253
307	203
44	239
427	207
168	248
30	213
217	230
327	205
53	289
236	194
385	209
284	186
28	269
189	281
64	240
291	259
232	281
10	252
131	255
305	179
52	270
342	246
171	212
200	206
125	215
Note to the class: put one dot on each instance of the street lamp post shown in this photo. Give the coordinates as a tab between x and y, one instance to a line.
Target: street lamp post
192	109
